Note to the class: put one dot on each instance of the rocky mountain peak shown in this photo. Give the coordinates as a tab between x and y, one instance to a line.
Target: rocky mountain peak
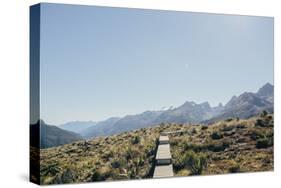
266	90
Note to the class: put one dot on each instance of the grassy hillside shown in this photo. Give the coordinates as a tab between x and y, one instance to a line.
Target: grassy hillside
52	136
224	147
124	156
227	146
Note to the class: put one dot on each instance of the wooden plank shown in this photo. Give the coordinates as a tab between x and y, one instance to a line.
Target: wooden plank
163	171
163	161
163	140
164	167
163	152
163	155
173	132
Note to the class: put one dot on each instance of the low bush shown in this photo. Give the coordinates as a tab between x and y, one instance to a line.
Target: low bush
234	167
204	127
260	134
193	131
269	117
216	136
135	140
228	133
150	149
260	123
228	128
264	142
196	162
96	176
218	147
68	176
115	163
240	126
264	113
195	147
229	119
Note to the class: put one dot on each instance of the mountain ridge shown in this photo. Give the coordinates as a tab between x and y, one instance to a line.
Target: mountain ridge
242	106
50	135
77	126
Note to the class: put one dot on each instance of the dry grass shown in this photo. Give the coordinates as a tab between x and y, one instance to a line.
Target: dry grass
224	147
228	146
124	156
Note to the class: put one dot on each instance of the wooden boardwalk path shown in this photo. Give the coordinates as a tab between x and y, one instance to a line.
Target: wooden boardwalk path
173	132
164	167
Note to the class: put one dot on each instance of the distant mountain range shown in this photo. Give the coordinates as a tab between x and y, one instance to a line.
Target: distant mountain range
51	136
77	126
245	105
248	104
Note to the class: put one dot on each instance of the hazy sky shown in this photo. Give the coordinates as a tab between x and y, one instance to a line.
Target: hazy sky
101	62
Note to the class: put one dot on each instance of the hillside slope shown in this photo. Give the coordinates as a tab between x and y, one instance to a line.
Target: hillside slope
124	156
227	146
51	136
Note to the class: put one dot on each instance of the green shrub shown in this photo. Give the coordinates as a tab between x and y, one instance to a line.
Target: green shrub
196	162
255	135
214	147
51	169
96	176
264	113
218	147
234	167
115	163
229	119
195	147
267	122
216	136
228	128
264	142
240	126
135	140
204	127
150	149
260	123
107	155
178	160
269	117
174	142
68	176
128	153
193	131
229	133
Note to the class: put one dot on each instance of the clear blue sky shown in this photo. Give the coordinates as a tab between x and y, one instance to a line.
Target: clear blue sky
101	62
